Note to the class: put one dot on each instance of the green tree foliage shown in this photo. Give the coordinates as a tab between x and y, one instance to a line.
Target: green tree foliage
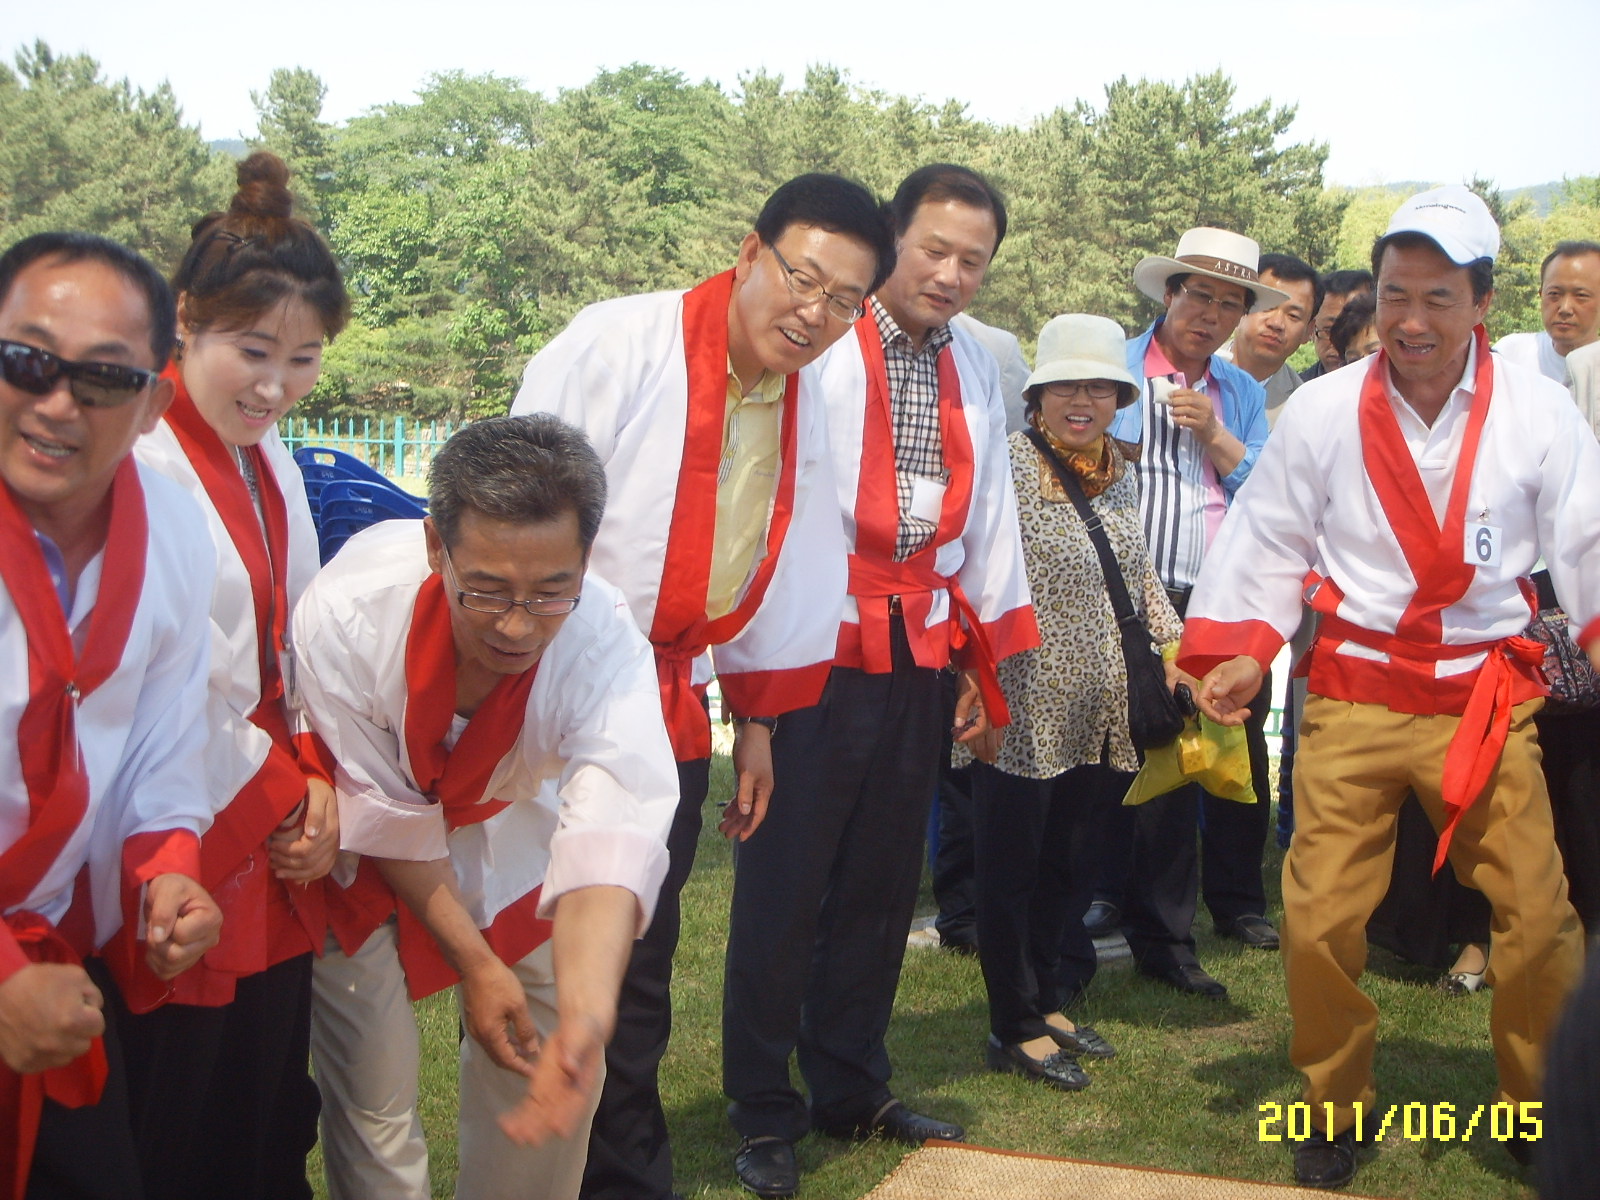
82	152
290	124
474	220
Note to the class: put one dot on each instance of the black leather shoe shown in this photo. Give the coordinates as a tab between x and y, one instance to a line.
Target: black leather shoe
1191	978
1255	932
898	1123
1320	1163
1059	1070
1102	919
766	1166
1083	1042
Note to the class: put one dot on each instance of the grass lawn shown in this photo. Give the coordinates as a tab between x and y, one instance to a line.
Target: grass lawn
1184	1093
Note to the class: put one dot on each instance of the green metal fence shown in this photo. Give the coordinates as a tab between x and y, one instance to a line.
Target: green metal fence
393	445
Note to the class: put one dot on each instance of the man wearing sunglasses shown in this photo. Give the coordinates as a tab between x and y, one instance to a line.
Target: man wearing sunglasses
102	701
1200	423
492	720
723	534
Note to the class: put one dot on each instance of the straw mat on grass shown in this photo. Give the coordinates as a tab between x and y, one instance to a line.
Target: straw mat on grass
945	1171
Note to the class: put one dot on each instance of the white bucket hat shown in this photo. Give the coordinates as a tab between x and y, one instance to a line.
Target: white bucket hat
1454	218
1081	346
1214	253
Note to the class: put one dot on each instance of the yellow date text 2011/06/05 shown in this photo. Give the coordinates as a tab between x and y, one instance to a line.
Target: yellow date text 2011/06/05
1440	1121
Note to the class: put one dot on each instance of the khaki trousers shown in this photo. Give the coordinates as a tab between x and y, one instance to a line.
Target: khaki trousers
1353	769
365	1051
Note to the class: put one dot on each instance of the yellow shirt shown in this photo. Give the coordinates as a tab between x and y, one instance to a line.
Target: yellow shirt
747	481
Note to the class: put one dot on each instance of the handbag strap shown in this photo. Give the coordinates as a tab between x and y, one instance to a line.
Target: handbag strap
1116	587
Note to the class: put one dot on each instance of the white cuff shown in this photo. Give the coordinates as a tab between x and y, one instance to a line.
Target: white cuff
370	823
620	857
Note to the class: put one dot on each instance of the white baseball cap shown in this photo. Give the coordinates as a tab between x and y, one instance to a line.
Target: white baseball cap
1454	218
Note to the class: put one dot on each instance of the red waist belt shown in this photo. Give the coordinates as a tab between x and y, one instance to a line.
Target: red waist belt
1480	737
915	582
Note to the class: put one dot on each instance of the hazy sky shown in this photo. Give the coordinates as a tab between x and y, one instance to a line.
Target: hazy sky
1400	89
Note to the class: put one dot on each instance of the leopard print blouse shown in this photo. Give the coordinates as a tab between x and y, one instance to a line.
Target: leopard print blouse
1069	697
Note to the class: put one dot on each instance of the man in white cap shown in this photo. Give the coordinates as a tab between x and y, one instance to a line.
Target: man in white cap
1421	490
1201	422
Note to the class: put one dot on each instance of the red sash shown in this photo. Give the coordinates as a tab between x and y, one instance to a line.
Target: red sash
457	778
1437	557
680	632
874	573
232	853
22	1097
58	680
53	767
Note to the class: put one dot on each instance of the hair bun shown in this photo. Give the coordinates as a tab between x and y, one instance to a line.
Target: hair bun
263	187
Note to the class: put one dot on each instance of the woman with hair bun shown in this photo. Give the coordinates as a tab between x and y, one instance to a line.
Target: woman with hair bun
221	1099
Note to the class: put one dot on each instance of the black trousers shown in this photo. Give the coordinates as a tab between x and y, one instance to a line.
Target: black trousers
221	1099
954	887
88	1153
1571	747
823	895
1167	872
630	1157
1038	843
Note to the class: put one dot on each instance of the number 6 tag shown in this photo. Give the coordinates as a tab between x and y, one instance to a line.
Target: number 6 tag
1483	546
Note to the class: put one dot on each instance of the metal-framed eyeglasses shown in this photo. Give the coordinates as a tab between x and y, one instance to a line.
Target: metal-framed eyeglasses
808	291
1228	310
1066	389
483	602
92	384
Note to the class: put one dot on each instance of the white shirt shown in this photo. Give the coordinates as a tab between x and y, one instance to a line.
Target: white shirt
1536	352
591	781
237	748
142	732
1310	503
618	372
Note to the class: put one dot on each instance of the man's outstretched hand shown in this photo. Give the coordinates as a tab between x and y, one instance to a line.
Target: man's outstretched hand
561	1089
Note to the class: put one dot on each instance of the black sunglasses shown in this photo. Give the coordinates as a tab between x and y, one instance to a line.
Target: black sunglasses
93	384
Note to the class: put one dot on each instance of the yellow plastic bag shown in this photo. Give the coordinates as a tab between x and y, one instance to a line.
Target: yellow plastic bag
1214	756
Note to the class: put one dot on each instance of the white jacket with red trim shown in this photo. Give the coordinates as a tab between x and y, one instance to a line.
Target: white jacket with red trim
142	732
618	372
1311	505
237	748
979	546
591	783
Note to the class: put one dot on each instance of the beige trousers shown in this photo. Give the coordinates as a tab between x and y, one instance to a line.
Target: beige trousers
365	1051
1353	769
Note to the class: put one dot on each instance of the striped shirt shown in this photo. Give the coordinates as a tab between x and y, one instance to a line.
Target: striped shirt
914	410
1181	499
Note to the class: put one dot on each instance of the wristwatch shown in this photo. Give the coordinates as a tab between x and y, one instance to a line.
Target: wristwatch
770	724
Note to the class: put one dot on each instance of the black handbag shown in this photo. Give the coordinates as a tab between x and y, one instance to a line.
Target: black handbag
1574	684
1155	715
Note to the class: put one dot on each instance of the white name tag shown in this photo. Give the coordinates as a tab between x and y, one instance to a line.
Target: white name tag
1483	545
927	499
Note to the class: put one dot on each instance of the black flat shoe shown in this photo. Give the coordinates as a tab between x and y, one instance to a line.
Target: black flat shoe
1083	1042
1320	1163
766	1166
1103	919
1059	1070
1255	932
897	1123
1191	978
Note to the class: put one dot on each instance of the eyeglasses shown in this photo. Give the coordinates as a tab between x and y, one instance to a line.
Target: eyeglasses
1098	389
808	291
482	602
93	384
1229	310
